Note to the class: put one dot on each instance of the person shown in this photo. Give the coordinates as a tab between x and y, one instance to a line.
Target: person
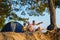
36	26
30	27
24	27
12	27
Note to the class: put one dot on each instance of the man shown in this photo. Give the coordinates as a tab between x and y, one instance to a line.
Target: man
35	26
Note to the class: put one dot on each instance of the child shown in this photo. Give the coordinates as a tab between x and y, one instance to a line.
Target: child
24	27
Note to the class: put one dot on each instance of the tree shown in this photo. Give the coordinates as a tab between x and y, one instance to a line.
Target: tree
5	12
38	5
51	5
52	13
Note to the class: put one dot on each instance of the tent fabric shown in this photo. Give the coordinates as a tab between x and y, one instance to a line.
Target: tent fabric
7	28
17	27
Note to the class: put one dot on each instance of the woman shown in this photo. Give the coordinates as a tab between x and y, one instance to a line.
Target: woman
30	27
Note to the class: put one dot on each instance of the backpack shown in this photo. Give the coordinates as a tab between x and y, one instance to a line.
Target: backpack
50	27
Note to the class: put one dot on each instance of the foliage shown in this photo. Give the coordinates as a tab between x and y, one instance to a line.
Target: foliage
37	7
5	12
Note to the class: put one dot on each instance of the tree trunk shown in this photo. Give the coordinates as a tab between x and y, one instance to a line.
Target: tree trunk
53	17
52	13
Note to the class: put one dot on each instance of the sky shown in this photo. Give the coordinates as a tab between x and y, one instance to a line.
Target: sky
45	19
58	17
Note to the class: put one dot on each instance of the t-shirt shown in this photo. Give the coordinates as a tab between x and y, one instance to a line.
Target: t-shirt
30	27
35	27
24	28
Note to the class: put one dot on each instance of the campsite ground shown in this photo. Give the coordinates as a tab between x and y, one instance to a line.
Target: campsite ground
29	36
